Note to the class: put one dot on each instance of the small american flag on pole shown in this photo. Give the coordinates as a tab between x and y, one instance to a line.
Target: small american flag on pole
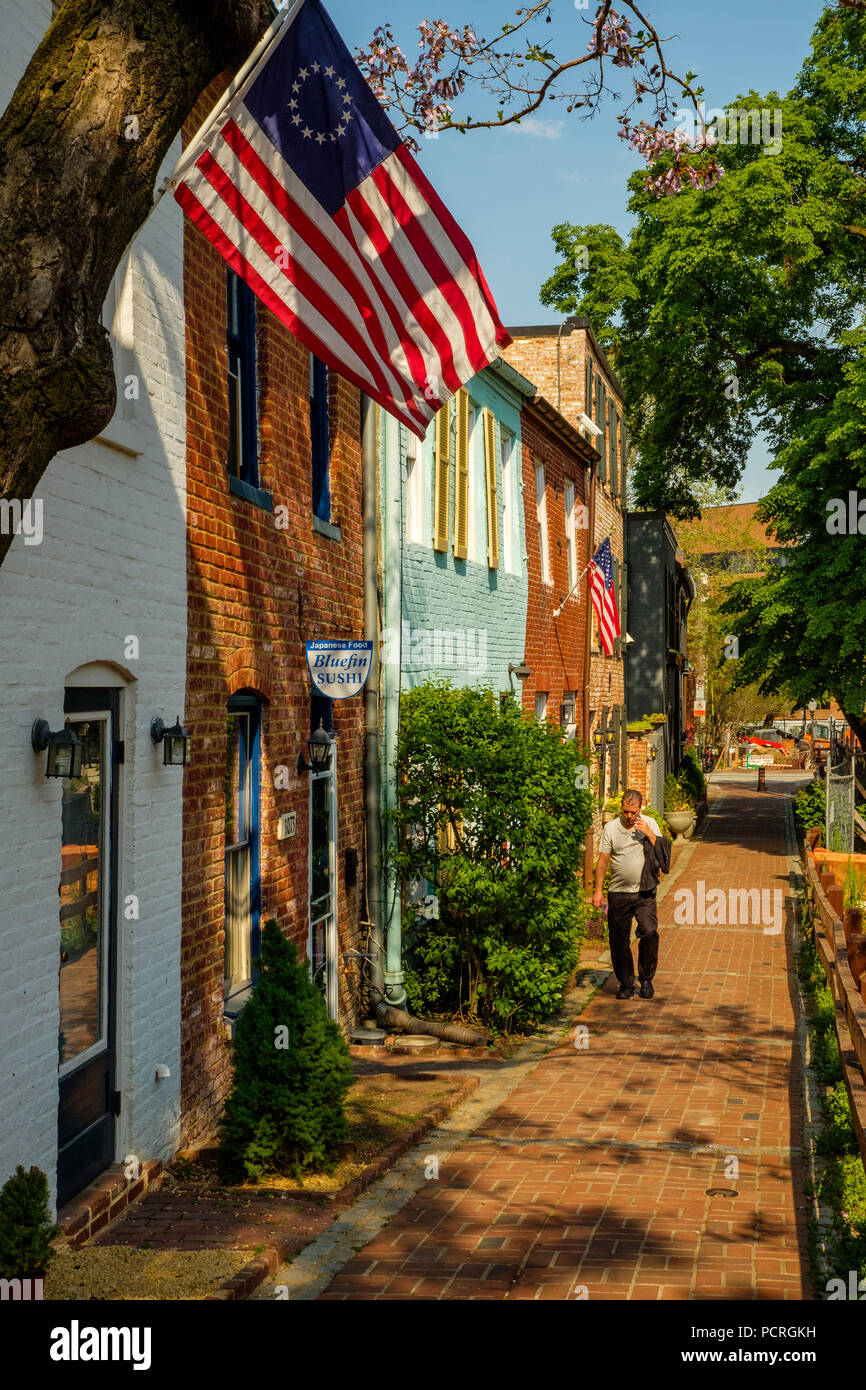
603	597
306	189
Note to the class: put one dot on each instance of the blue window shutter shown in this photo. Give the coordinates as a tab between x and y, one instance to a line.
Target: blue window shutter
243	460
320	441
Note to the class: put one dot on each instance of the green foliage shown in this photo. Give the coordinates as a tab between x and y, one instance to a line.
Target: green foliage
854	887
691	777
291	1073
489	815
26	1228
677	797
810	806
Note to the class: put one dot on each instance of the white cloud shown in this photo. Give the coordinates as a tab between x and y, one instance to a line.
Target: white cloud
542	130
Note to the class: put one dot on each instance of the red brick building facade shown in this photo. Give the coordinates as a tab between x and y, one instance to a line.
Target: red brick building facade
570	370
264	576
558	457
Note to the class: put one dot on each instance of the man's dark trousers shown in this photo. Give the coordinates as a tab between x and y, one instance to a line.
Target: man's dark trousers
621	907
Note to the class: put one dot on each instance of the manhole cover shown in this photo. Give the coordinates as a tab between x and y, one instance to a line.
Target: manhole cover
722	1192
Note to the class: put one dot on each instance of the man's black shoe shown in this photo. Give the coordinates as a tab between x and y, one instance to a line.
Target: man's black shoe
626	992
646	989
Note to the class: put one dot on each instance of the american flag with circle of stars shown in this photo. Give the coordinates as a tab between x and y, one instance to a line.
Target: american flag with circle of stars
306	189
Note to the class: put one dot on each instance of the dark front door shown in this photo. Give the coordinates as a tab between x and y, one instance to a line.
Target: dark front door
88	946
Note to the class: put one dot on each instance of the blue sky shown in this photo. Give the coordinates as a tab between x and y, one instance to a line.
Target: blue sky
508	187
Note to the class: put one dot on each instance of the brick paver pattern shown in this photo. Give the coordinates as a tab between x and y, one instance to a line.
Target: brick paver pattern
591	1180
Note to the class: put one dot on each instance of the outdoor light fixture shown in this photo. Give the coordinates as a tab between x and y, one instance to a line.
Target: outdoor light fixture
608	738
598	738
319	745
176	742
64	749
522	672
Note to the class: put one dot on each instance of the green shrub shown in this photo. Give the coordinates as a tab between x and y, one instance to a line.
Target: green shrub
291	1073
677	798
26	1228
488	814
690	775
810	806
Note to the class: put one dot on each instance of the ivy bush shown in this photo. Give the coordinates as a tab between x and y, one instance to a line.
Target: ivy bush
810	806
488	814
26	1228
292	1070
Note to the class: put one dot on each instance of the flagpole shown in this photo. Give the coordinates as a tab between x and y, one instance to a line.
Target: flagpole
557	611
285	17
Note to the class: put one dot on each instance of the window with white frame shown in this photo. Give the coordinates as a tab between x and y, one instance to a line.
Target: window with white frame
414	489
506	454
541	705
541	513
570	538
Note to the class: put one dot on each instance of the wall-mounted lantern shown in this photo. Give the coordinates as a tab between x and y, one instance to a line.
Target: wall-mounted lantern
64	749
522	672
598	738
319	745
176	742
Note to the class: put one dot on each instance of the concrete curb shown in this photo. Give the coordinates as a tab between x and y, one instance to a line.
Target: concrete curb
242	1284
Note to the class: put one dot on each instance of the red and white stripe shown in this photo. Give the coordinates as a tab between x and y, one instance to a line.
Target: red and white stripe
604	604
388	291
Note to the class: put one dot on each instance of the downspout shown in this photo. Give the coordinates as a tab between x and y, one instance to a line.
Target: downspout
386	1014
372	776
587	670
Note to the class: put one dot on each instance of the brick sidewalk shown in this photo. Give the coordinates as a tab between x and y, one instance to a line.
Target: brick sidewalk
595	1171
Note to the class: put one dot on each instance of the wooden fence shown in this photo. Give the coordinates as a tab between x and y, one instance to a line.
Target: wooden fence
850	1008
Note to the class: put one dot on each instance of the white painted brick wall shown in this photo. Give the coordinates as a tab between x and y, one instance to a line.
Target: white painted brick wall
112	563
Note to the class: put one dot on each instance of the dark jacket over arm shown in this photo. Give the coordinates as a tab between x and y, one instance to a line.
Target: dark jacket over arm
656	861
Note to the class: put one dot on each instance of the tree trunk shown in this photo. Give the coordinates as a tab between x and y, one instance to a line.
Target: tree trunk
857	722
81	143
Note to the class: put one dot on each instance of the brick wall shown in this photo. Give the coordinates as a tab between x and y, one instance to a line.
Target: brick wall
260	585
555	646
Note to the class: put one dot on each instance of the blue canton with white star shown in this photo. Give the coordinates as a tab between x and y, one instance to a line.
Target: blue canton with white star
316	108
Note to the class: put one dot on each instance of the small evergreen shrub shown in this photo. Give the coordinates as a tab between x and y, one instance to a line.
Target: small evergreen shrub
292	1070
26	1228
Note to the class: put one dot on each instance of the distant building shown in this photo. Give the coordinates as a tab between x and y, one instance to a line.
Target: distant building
660	593
571	372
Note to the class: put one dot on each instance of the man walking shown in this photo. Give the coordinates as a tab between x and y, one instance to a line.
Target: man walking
639	854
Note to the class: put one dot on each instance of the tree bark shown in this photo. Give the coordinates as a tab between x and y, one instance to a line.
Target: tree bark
857	722
74	190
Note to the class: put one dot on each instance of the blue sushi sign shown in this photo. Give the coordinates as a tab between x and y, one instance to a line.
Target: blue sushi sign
339	669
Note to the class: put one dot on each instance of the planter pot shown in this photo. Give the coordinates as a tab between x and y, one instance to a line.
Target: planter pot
857	956
679	822
852	922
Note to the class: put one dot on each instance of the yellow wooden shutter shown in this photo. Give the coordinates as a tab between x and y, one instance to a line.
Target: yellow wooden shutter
442	473
461	480
492	490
